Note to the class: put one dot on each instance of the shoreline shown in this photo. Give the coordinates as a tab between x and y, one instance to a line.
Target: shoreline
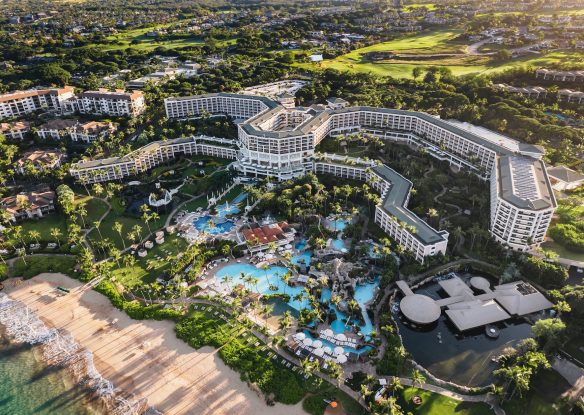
142	359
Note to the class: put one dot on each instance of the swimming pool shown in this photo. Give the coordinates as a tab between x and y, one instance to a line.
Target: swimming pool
304	257
363	294
266	278
301	244
231	208
337	223
202	225
339	245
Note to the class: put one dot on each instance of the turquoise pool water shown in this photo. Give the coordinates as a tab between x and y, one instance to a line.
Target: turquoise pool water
202	224
305	257
301	244
231	208
271	276
339	245
363	294
338	224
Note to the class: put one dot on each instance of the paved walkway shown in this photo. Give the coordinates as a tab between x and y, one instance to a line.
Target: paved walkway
486	398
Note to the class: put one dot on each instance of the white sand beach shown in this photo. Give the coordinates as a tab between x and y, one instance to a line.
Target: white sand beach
175	378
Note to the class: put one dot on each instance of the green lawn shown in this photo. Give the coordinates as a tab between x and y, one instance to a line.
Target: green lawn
147	44
543	398
95	209
117	215
193	205
430	43
139	272
31	266
435	404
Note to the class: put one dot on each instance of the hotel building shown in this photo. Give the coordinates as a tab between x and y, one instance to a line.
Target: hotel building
280	142
114	104
18	103
149	156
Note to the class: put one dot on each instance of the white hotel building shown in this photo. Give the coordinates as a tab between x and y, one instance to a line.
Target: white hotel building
112	103
18	103
280	142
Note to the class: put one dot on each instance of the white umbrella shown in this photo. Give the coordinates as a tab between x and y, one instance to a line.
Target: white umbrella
327	349
339	350
328	332
307	341
341	359
300	336
341	337
317	344
288	246
318	352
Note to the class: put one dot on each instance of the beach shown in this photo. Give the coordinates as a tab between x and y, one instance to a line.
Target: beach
143	358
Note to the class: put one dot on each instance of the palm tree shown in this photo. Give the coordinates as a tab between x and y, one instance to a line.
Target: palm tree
432	213
286	279
82	212
336	372
418	378
118	228
22	254
34	234
56	233
137	229
285	321
265	268
365	391
228	279
395	385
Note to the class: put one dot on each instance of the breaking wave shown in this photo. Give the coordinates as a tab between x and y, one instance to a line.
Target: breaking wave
60	349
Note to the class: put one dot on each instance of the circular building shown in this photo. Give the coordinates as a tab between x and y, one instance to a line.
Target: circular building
420	309
480	283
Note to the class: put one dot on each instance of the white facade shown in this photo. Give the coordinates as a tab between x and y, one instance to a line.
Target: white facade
521	207
280	142
114	104
20	103
150	156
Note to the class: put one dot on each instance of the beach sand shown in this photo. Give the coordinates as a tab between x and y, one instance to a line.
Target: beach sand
175	378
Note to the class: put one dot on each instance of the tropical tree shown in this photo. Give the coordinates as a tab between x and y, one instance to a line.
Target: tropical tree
364	392
417	378
34	234
118	228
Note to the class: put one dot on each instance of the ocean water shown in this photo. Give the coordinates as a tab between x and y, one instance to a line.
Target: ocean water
28	386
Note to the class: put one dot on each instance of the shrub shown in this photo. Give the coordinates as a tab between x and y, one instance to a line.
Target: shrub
314	404
200	329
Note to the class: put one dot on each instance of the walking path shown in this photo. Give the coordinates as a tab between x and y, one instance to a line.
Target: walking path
486	398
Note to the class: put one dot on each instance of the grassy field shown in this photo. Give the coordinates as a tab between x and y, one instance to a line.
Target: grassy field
543	398
95	209
428	44
117	215
141	273
435	404
145	43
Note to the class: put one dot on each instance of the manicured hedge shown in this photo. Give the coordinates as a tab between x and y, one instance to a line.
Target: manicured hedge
134	309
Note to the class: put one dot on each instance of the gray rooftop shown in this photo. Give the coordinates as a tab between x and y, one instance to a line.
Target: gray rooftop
523	183
394	202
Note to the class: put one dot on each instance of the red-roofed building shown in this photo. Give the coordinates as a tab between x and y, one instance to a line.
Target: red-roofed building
258	237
